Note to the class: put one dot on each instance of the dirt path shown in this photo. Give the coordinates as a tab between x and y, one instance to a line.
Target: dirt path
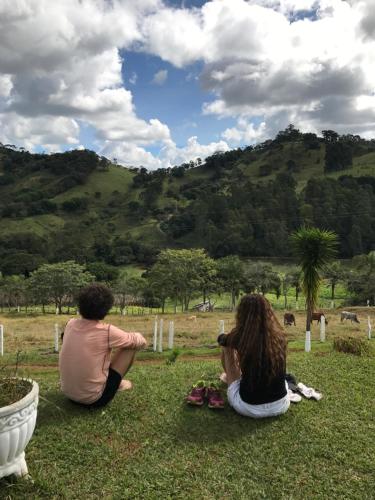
159	361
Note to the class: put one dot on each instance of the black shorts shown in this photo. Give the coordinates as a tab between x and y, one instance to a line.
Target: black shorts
110	389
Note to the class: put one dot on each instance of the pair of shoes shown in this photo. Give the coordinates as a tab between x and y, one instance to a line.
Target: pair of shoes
309	392
295	390
201	391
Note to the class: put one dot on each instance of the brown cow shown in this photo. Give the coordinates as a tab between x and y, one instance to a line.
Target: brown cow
316	317
289	319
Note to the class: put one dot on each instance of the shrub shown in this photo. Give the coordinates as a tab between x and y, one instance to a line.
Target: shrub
352	345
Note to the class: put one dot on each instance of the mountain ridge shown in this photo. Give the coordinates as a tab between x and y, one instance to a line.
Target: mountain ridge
245	201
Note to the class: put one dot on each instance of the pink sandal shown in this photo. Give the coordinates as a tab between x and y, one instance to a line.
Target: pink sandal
215	399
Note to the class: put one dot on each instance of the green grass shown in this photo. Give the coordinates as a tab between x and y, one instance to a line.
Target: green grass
104	182
148	444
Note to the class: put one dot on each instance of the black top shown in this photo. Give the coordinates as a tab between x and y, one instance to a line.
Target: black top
262	391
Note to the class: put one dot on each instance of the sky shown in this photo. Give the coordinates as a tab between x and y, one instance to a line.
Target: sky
156	83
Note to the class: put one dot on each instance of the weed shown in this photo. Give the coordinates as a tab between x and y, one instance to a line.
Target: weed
352	345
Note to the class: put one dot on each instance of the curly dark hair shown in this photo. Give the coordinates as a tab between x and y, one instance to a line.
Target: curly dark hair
95	301
258	338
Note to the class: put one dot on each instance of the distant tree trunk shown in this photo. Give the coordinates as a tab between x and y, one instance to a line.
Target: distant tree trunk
333	285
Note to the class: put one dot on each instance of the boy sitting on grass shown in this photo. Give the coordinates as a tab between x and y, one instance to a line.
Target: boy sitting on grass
89	375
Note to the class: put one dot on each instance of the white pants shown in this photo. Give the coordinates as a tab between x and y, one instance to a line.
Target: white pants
255	411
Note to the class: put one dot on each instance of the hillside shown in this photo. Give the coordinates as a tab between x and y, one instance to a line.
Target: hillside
246	201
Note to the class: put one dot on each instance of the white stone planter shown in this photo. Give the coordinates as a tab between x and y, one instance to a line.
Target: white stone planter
17	424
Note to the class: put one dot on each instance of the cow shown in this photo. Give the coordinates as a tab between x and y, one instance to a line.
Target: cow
289	319
349	315
316	317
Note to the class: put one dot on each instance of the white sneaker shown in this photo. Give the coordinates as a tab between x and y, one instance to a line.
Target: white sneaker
309	392
293	397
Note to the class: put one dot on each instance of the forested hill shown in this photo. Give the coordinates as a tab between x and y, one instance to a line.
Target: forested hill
76	205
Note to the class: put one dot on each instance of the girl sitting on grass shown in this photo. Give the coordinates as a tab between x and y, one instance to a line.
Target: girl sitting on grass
88	373
254	360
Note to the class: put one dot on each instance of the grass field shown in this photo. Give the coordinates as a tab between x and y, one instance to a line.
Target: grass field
147	444
33	335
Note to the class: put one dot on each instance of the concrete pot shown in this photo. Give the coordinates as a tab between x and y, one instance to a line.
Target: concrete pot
17	424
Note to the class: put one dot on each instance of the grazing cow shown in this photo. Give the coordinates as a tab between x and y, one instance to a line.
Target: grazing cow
349	315
289	319
316	317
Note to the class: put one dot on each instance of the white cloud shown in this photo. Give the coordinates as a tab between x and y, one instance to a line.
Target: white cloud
60	64
174	34
160	77
170	154
46	131
245	132
311	62
306	59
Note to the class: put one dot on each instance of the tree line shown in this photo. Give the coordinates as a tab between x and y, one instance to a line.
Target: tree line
179	277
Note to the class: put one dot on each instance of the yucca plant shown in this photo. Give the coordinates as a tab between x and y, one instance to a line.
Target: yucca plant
315	249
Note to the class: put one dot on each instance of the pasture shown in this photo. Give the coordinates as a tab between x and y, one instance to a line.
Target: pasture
147	444
34	335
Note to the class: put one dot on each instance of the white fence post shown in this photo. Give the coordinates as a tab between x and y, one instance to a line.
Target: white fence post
1	340
56	346
155	339
161	335
322	329
221	326
369	327
171	335
308	342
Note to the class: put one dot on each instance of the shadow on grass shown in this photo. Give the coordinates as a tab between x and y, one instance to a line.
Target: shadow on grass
55	408
202	425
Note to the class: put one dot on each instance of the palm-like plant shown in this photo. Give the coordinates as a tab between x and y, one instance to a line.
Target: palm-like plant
315	249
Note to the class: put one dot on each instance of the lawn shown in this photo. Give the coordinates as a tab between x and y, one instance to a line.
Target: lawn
148	444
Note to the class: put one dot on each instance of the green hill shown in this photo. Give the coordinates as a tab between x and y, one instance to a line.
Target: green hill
246	201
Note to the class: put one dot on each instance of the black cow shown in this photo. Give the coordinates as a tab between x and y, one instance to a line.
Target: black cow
289	319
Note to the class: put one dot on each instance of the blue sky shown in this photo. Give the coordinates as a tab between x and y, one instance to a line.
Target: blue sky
177	102
157	83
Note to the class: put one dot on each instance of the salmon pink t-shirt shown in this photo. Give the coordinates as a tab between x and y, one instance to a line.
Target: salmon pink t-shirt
86	354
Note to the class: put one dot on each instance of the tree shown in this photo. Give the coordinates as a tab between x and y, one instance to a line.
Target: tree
286	284
121	290
333	274
261	278
59	282
179	274
361	279
295	280
13	291
230	274
20	263
315	249
103	272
